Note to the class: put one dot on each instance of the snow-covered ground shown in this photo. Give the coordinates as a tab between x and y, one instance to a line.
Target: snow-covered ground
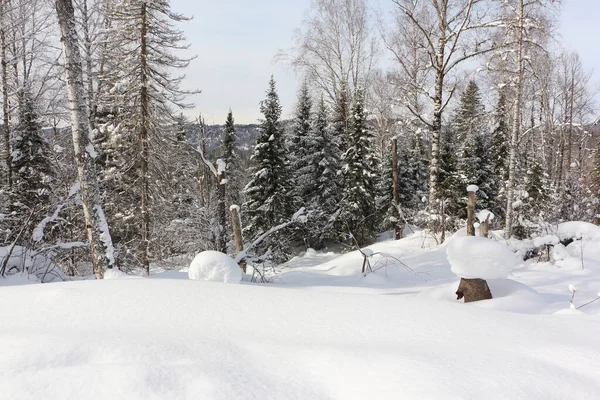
322	330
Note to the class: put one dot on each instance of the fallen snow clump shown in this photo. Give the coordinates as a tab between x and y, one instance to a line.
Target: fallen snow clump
478	257
214	266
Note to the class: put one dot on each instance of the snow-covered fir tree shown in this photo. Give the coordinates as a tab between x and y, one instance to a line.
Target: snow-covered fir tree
499	152
269	201
31	164
230	156
325	198
301	146
451	186
142	97
476	152
469	117
413	169
357	211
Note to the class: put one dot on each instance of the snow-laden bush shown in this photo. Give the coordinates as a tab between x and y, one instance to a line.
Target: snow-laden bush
216	267
20	259
474	257
578	230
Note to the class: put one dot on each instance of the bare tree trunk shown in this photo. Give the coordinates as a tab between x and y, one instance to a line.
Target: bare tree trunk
201	167
222	212
88	61
399	225
236	223
5	99
97	231
144	145
514	136
570	137
471	213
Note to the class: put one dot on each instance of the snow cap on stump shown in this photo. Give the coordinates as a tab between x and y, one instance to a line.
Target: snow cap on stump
216	267
474	257
472	188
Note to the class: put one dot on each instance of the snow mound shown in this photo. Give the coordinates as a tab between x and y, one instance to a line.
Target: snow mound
578	230
478	257
115	273
214	266
508	295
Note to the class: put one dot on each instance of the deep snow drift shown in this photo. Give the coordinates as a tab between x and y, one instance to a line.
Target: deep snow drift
323	330
182	339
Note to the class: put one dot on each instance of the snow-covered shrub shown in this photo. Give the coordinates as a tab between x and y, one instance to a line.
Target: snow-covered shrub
214	266
24	260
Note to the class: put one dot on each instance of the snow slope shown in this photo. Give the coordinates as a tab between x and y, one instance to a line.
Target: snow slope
322	331
179	339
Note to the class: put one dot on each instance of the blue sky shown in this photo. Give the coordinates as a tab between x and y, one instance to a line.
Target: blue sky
235	42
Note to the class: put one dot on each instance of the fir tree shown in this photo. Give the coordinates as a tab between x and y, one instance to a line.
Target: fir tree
357	207
500	138
468	120
232	161
499	153
478	169
326	196
301	147
32	170
535	187
268	192
451	186
413	177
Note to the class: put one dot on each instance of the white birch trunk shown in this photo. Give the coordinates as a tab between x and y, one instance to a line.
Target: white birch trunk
97	231
514	136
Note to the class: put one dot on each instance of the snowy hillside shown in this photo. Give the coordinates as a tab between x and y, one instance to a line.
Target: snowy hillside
322	331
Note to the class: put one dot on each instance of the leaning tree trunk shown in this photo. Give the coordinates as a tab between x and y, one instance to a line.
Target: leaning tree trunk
472	289
97	231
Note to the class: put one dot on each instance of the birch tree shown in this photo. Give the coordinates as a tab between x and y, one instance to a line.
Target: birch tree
451	33
523	26
97	230
335	46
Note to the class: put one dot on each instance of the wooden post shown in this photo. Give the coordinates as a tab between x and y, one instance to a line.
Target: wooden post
471	212
473	289
399	226
238	240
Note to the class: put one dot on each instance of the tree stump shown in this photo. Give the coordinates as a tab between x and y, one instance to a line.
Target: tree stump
236	224
484	227
473	290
